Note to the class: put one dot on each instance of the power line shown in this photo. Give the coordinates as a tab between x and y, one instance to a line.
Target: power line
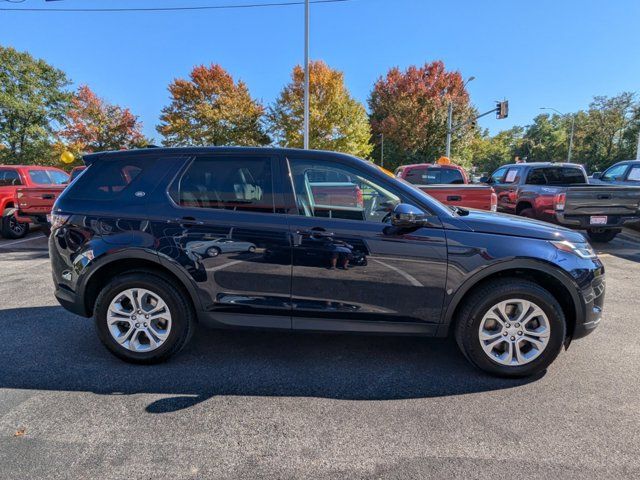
168	9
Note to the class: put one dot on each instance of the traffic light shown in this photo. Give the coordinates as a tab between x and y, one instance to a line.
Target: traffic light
502	109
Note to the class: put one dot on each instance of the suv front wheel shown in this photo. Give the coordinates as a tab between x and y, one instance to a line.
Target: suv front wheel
141	318
511	328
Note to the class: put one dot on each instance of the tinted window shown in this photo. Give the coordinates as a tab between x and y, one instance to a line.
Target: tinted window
230	183
434	175
107	179
362	197
48	177
615	173
9	178
536	177
564	176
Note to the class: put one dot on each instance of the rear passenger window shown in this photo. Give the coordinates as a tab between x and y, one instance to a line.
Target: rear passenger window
634	174
564	176
536	177
107	179
229	183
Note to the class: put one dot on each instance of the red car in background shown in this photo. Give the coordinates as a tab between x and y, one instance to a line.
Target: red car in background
27	194
450	185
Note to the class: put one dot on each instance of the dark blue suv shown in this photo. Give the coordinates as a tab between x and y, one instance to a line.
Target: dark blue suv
151	242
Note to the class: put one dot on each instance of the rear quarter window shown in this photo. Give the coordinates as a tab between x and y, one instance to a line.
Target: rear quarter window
108	179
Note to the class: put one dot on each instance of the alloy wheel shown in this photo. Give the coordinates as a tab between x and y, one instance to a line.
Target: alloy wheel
139	320
514	332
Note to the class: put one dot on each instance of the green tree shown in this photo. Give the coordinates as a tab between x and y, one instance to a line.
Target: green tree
336	120
33	98
410	109
211	109
95	125
488	153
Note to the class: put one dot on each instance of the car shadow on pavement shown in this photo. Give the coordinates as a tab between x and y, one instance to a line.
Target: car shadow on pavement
622	248
46	348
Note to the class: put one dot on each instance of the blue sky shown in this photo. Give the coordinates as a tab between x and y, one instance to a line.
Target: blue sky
536	53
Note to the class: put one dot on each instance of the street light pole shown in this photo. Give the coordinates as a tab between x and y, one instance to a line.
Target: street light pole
305	133
382	149
449	122
450	119
573	123
638	147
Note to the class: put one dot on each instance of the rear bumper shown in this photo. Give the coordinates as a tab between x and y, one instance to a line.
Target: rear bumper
70	301
583	221
39	218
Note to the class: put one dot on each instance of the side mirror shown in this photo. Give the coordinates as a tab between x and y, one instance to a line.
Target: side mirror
596	175
405	215
486	180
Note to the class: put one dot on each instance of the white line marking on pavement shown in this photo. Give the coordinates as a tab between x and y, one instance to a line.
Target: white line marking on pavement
21	241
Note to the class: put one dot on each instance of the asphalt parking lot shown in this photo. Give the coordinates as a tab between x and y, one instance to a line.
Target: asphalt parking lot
284	405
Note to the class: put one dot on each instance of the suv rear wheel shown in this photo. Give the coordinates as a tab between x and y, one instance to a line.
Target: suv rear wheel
511	328
141	318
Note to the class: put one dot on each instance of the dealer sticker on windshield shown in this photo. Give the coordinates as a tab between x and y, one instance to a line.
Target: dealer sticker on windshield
598	220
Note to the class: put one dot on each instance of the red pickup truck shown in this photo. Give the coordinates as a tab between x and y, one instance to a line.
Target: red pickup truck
27	194
450	185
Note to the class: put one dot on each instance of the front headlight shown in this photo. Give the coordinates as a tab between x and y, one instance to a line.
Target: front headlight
583	250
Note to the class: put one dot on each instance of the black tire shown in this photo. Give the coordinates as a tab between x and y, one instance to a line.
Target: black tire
602	236
528	213
183	316
11	228
213	252
489	294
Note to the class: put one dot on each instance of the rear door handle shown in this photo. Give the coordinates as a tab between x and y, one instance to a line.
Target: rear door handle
315	233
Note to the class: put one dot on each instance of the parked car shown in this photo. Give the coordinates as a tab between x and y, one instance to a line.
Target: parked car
560	193
513	291
214	247
27	194
622	173
449	184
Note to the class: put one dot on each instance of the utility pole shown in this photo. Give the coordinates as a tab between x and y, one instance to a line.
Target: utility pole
382	149
305	134
638	148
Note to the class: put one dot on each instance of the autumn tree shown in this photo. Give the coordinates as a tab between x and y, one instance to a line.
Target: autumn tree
94	125
33	99
336	120
211	109
410	109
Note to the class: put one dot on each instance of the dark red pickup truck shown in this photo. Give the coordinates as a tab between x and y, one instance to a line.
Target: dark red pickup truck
27	194
561	193
449	184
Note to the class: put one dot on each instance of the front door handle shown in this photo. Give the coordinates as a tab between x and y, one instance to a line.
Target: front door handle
454	198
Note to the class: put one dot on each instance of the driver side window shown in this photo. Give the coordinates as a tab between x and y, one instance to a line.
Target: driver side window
327	190
615	173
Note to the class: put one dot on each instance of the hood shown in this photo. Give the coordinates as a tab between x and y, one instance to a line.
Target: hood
503	224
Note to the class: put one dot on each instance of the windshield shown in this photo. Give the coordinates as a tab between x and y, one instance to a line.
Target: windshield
48	177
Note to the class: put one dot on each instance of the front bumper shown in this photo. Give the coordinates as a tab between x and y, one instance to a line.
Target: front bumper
592	296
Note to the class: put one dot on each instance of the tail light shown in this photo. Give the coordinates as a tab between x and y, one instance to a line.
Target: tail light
494	202
57	220
559	201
